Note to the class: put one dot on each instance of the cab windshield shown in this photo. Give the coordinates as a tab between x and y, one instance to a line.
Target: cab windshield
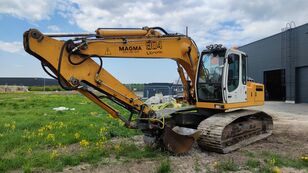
209	84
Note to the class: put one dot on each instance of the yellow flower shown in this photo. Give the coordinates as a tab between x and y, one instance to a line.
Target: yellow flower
276	170
13	126
103	130
84	143
30	150
40	134
77	135
49	126
51	137
305	158
110	116
54	154
61	125
99	144
93	113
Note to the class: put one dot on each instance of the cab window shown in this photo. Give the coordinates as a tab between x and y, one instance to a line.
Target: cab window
244	64
233	72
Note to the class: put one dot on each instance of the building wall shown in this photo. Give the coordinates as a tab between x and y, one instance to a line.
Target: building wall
287	50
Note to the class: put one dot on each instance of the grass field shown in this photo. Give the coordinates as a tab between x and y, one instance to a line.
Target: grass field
34	136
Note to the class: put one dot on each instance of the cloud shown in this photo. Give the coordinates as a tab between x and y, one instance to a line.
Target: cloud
32	10
53	28
221	21
11	47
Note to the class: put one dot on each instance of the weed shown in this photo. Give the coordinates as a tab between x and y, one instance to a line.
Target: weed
164	167
27	168
197	165
227	165
252	163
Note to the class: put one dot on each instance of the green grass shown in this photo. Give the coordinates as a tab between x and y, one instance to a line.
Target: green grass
33	135
46	88
270	162
164	167
227	165
253	163
279	160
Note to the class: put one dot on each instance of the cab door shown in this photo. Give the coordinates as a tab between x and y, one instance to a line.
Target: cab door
235	81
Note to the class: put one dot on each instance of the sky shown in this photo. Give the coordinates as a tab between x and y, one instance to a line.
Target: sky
228	22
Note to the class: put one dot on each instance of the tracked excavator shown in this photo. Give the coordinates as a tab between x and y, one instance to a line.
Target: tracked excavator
215	85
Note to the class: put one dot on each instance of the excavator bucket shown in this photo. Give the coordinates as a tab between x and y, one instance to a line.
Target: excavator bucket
179	139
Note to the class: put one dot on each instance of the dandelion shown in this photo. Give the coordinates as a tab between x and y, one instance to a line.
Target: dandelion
99	144
61	125
276	170
54	154
103	130
84	143
304	158
51	137
13	126
40	134
93	113
29	150
10	125
77	135
48	126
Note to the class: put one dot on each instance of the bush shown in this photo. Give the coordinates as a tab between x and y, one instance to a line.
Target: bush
47	88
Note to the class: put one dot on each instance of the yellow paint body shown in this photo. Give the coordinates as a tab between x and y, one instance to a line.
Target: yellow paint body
255	97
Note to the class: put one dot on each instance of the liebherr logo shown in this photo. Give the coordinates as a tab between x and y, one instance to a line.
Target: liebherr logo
129	48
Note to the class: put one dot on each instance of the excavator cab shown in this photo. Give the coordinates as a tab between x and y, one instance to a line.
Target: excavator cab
222	75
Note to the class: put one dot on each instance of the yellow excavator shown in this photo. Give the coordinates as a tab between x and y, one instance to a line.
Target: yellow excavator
215	85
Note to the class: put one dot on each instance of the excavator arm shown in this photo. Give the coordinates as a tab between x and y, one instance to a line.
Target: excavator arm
72	63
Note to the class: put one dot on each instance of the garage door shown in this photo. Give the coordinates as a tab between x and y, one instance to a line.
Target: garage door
302	85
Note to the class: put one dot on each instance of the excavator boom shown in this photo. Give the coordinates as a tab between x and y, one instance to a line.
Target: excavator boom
72	64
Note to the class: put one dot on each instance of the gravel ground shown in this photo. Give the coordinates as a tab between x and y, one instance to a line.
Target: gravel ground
290	137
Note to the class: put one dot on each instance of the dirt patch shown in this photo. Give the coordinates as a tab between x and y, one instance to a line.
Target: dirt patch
10	89
290	138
